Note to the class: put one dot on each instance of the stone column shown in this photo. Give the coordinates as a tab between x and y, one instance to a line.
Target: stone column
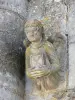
12	17
71	32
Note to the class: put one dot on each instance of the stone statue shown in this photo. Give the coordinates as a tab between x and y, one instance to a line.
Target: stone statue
42	63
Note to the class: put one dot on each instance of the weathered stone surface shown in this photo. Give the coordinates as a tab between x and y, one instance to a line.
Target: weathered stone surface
11	87
71	19
72	62
54	16
18	6
57	16
71	32
12	18
35	9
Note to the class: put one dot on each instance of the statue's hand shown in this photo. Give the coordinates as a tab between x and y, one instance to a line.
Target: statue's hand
35	72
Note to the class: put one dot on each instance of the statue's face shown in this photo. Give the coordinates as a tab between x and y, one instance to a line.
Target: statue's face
33	34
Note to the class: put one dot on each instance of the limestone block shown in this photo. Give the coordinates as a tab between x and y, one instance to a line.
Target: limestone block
58	16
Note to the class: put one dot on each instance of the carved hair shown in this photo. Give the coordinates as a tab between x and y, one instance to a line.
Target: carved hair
34	23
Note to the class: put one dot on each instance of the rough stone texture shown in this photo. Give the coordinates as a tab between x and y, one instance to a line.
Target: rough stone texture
53	15
72	64
71	32
12	18
18	6
35	9
58	16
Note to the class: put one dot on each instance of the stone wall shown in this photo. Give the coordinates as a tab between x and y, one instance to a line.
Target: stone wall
58	17
13	14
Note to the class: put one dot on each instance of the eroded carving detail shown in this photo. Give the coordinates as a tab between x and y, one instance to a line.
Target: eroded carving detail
42	63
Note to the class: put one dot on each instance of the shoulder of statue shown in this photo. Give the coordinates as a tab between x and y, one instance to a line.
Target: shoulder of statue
48	46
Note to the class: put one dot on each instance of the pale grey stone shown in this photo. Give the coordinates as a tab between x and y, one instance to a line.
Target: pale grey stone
13	14
61	19
53	15
71	32
71	65
71	19
18	6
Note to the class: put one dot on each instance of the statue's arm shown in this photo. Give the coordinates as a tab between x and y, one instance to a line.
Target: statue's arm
31	73
27	61
53	58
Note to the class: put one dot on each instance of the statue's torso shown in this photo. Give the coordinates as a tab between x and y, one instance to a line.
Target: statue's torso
39	59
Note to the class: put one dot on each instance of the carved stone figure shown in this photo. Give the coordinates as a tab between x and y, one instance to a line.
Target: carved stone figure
42	63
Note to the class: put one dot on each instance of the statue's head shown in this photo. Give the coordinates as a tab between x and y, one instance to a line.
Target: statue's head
34	30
